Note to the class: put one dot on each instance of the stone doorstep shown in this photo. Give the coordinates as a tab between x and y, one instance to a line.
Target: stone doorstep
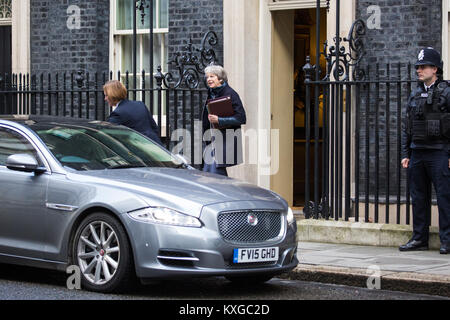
359	233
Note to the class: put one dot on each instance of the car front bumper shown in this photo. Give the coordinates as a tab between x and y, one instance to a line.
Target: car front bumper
168	252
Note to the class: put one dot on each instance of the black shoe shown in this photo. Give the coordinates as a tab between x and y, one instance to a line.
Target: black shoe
414	245
445	248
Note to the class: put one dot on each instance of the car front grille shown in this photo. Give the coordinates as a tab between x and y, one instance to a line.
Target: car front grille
235	227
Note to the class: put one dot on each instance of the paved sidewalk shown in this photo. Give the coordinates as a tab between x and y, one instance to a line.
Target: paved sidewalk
383	268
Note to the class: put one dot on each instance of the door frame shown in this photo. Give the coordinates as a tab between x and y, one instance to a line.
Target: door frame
20	31
282	182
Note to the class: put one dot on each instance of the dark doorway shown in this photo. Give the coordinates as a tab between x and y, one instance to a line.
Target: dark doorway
305	45
5	69
5	50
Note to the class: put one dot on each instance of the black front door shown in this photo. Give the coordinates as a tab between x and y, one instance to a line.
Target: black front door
5	50
5	70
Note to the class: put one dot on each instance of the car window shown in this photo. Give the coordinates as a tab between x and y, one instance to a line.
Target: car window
11	142
103	147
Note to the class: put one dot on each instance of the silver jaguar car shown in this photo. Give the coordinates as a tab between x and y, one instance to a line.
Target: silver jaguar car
113	203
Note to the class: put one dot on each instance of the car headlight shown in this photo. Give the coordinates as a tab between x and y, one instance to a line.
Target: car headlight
164	216
290	216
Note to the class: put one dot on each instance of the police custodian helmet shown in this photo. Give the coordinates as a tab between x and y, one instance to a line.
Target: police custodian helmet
430	57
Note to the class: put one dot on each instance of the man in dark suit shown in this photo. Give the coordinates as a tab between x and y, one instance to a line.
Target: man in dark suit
132	114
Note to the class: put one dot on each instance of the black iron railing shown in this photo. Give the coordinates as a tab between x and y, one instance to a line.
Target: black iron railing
361	145
360	168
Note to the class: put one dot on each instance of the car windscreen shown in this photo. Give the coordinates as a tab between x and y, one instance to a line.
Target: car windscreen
103	147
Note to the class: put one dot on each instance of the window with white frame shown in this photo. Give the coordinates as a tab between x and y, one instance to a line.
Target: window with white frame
122	41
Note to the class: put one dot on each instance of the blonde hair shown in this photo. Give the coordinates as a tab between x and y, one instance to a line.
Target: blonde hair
115	90
219	71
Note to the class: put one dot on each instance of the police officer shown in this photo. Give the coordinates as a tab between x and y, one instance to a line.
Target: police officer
426	150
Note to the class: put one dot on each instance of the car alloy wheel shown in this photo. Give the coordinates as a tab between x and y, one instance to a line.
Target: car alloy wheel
98	252
101	251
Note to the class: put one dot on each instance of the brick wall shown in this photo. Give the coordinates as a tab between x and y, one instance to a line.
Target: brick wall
191	20
56	48
406	27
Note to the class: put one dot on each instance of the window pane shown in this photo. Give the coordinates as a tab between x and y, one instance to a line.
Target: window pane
124	10
164	14
154	14
13	143
146	99
146	19
146	96
129	84
159	49
124	14
127	53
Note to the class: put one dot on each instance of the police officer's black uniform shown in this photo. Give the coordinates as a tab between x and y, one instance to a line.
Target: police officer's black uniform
426	142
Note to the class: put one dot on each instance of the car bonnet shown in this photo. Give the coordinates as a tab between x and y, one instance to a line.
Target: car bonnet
177	188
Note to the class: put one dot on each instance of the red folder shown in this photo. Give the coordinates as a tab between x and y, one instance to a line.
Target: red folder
220	107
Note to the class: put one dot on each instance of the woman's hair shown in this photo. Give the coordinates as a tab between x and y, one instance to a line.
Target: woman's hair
115	90
219	71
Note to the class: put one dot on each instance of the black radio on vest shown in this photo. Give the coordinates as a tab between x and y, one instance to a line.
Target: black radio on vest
430	121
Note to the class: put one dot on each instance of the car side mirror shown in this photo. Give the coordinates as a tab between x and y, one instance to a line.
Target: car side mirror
23	162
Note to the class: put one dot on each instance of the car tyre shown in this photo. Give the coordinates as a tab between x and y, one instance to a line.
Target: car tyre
102	251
